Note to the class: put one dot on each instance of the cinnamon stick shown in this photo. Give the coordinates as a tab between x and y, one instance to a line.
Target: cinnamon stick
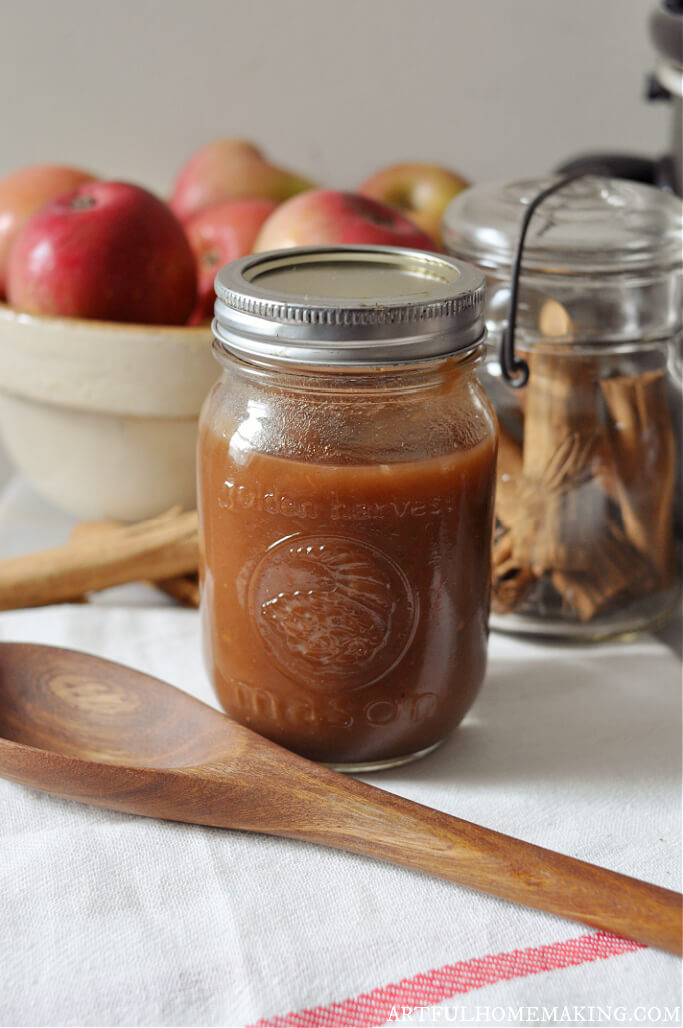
183	588
562	499
554	321
620	573
510	580
159	548
509	474
641	439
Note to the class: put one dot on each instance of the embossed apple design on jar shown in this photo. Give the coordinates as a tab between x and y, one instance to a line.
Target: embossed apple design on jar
332	609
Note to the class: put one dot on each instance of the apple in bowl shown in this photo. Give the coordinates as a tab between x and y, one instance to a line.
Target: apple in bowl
111	251
327	216
217	236
24	192
422	192
231	169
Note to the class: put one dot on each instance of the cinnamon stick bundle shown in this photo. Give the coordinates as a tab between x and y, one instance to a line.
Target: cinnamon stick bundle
157	549
585	506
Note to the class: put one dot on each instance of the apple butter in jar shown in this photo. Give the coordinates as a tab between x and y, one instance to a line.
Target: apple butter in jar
346	478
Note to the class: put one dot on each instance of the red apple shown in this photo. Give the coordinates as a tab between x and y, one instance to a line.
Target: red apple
218	235
420	191
107	250
231	169
325	216
23	193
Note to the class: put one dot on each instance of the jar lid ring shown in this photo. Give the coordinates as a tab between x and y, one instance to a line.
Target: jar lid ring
514	369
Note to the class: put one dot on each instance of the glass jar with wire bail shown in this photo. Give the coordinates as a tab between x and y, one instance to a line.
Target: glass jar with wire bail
584	368
346	475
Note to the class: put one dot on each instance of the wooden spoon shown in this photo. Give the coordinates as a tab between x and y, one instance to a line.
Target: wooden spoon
100	733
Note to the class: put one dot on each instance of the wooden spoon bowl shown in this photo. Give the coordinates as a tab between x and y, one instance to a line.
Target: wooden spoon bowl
94	731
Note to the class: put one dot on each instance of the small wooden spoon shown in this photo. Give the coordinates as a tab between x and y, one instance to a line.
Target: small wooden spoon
100	733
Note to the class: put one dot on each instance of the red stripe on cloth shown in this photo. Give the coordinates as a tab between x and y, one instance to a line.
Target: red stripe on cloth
375	1008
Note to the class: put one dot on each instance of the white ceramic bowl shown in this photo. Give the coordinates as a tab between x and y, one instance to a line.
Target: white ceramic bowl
100	416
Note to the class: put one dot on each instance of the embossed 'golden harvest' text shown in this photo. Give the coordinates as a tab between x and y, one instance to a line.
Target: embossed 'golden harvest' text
254	498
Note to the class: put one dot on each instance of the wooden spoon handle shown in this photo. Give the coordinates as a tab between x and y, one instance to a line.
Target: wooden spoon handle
519	871
326	808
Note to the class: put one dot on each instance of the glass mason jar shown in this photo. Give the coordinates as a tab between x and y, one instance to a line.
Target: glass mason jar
589	448
346	474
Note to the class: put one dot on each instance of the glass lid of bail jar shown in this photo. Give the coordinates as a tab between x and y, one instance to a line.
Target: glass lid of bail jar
591	225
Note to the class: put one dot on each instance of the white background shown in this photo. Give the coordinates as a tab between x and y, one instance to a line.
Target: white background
334	88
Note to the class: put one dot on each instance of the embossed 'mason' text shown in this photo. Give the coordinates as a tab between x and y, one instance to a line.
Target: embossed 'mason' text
255	701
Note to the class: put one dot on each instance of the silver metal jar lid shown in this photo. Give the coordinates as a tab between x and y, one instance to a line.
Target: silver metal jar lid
348	306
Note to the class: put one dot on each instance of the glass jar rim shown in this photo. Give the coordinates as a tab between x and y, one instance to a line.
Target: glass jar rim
472	357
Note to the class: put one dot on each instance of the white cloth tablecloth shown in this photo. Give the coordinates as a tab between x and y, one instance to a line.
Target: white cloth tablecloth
109	919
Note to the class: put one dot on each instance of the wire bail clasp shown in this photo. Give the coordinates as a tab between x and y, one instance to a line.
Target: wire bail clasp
514	369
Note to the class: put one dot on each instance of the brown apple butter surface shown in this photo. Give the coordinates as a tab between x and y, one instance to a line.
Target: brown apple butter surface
345	605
